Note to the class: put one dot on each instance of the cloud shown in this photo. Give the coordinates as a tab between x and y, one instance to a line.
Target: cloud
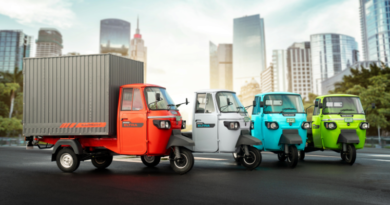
56	13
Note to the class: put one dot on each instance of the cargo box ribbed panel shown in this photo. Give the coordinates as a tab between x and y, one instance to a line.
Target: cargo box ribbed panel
75	95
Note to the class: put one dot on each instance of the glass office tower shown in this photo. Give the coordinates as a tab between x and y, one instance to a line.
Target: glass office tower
14	46
115	37
279	62
375	29
249	57
331	53
49	43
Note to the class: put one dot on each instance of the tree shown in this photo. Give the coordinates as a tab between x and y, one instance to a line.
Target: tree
307	104
375	92
9	125
15	82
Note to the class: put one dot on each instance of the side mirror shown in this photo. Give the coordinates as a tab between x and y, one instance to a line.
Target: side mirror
320	105
316	103
254	103
158	97
261	103
187	101
228	101
373	105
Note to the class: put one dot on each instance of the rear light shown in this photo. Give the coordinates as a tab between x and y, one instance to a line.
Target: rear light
272	125
162	124
306	125
330	125
232	125
364	125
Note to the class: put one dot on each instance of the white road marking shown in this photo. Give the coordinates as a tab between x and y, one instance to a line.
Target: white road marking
382	160
378	155
203	158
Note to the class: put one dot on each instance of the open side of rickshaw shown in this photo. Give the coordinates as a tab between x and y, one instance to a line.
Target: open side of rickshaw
338	124
148	125
221	125
279	121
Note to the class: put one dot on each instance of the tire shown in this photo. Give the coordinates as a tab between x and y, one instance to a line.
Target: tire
301	155
282	157
350	155
342	155
150	161
253	160
67	160
292	158
102	162
184	164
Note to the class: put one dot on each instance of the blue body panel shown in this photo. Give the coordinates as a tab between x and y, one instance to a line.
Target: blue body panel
271	138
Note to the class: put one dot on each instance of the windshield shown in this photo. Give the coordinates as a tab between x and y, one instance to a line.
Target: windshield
342	105
234	103
283	104
165	103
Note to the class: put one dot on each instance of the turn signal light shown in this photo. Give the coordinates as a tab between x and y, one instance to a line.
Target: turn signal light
272	125
330	125
232	125
306	125
364	125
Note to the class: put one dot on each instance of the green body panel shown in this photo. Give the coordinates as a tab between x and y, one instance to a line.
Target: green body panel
327	139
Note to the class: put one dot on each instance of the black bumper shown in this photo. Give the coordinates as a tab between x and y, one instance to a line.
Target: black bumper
177	139
349	137
247	139
290	137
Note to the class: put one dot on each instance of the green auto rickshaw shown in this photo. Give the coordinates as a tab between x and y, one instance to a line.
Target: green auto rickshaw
338	124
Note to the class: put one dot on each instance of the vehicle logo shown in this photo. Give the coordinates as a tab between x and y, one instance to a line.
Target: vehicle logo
203	125
129	124
290	120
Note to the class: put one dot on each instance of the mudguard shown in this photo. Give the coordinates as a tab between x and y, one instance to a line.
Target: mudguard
247	139
349	137
74	143
290	137
177	139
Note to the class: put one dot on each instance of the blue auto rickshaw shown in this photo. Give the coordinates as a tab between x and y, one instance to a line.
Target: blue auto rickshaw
279	121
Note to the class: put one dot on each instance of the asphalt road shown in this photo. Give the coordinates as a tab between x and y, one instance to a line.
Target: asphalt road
29	177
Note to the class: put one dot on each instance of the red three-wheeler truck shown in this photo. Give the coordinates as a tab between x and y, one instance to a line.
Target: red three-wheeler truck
96	106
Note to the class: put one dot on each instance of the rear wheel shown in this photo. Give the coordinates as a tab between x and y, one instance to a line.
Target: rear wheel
252	160
292	158
281	157
184	164
102	162
150	161
301	155
67	160
350	154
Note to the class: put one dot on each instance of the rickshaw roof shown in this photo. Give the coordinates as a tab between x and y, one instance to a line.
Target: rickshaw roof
337	95
140	85
213	91
276	93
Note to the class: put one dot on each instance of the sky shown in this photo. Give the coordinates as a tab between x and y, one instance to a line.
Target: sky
177	33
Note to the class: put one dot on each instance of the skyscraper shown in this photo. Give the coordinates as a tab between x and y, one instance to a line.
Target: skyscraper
267	80
299	69
221	68
115	37
138	49
248	92
249	57
279	63
49	43
331	53
14	46
375	29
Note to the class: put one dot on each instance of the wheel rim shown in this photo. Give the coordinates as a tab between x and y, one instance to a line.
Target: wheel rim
182	162
149	159
100	160
251	159
347	154
66	160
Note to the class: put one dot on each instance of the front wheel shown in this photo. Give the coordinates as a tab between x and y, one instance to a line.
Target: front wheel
102	162
150	161
282	157
350	154
252	160
183	164
292	158
67	160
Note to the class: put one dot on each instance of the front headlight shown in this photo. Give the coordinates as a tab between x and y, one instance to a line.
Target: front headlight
306	125
364	125
330	125
232	125
272	125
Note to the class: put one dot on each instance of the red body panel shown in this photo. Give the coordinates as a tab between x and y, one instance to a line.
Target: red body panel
136	133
